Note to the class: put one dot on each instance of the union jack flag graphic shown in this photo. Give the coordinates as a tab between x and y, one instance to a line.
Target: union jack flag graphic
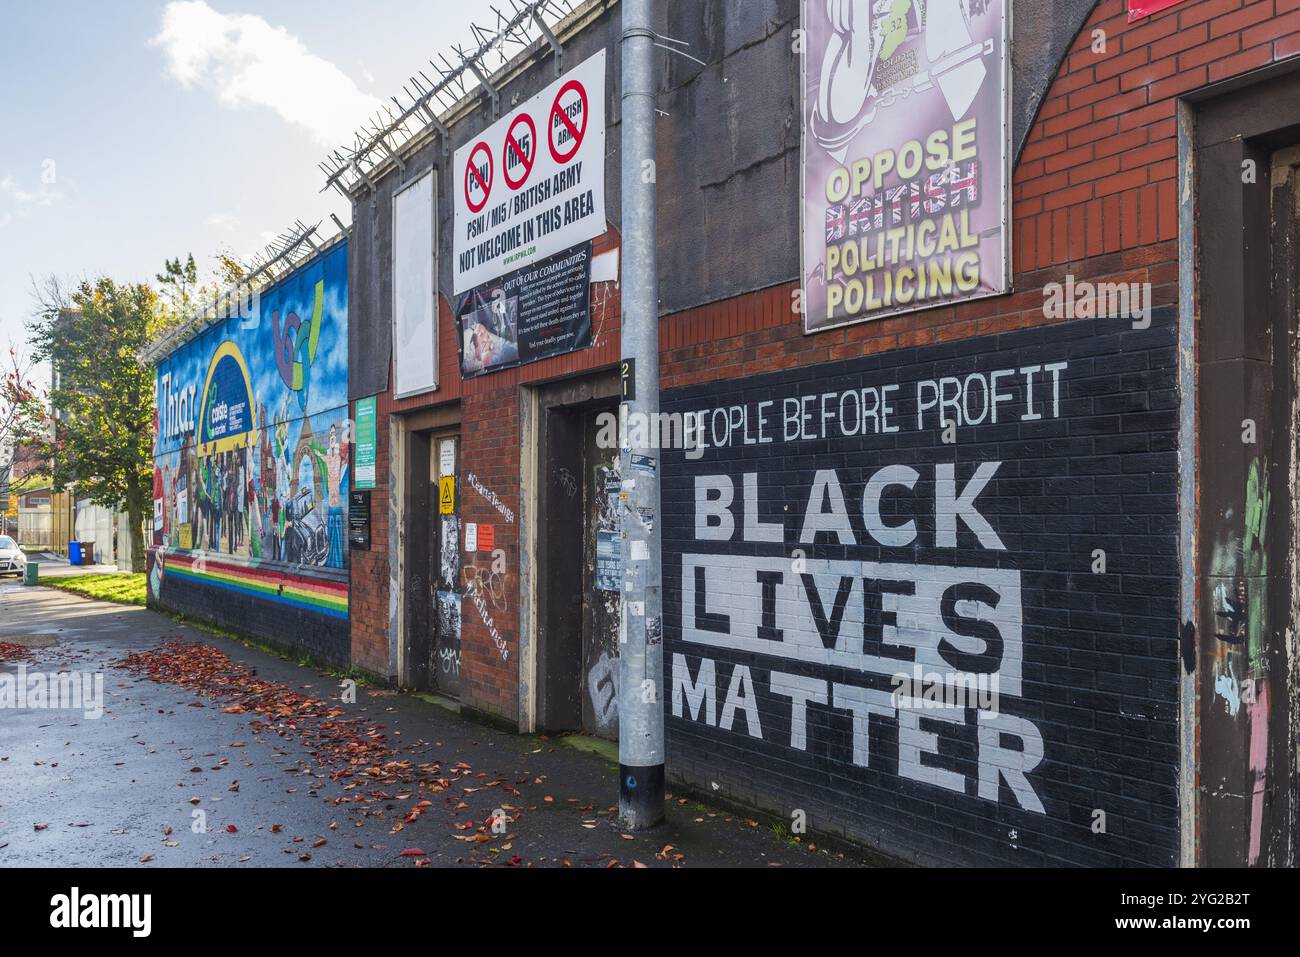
836	223
967	183
862	216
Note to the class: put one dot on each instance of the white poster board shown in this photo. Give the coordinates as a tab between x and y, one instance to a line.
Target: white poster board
446	458
533	184
415	288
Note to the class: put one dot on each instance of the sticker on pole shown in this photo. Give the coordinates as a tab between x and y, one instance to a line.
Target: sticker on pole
548	196
569	118
479	172
520	151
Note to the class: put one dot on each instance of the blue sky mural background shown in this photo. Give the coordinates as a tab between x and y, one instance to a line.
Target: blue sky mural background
256	500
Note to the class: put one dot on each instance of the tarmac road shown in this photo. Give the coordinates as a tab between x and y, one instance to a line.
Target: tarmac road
107	788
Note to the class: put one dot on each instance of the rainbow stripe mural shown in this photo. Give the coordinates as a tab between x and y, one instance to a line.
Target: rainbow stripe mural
324	597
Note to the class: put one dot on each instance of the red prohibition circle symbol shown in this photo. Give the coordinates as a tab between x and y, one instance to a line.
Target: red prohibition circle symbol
514	149
577	133
472	173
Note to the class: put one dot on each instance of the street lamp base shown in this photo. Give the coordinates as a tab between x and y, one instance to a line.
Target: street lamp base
640	796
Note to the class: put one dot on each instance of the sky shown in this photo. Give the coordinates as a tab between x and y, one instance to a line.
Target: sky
134	132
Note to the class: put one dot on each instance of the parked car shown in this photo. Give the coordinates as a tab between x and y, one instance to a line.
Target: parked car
12	559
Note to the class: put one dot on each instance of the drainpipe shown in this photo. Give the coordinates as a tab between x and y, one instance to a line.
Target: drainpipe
641	656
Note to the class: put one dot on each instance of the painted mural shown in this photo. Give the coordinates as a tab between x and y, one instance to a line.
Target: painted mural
253	436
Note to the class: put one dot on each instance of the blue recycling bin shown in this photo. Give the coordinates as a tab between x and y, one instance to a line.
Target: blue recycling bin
74	553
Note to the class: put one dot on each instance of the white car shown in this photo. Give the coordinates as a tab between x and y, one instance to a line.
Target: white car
12	559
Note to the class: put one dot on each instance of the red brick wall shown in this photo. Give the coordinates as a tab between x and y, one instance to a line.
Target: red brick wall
1094	193
368	603
489	449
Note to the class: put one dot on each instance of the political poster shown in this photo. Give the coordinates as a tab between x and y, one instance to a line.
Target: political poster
531	314
906	176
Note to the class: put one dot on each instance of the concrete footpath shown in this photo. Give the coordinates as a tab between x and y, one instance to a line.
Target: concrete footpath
169	776
53	566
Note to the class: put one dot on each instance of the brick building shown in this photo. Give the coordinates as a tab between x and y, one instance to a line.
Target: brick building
1118	548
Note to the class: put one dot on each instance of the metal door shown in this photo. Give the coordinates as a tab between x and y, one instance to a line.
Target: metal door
445	573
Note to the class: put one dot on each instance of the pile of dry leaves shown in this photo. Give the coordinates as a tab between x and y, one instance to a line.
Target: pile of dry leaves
344	747
352	752
14	652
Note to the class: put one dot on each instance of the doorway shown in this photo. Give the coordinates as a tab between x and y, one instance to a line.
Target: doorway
579	578
432	574
1246	234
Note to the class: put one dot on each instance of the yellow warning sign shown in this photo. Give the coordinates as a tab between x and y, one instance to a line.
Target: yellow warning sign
447	494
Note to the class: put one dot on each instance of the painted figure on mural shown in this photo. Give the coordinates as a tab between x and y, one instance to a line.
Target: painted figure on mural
241	497
168	496
336	459
283	481
266	455
185	491
203	530
254	507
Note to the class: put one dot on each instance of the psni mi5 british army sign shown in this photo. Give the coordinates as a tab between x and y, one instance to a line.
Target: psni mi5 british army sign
533	184
905	156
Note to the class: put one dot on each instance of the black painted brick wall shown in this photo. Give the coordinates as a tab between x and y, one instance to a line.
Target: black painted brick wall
1100	657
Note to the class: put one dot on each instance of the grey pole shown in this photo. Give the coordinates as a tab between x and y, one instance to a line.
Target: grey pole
641	654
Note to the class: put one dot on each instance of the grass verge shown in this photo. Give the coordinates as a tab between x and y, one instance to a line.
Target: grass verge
122	589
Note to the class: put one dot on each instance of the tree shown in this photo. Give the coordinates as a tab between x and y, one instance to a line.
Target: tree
178	284
100	433
20	399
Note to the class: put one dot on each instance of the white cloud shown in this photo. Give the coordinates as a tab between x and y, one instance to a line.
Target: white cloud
247	62
227	221
22	201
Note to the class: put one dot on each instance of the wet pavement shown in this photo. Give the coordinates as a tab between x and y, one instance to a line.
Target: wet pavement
165	778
